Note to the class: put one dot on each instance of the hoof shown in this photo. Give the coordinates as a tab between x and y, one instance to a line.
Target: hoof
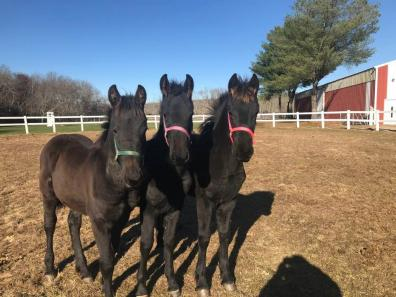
175	293
203	293
143	293
230	287
88	279
49	280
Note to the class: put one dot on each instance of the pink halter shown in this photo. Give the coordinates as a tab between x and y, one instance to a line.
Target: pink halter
239	128
174	128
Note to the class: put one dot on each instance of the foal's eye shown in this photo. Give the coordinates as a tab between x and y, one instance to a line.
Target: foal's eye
115	131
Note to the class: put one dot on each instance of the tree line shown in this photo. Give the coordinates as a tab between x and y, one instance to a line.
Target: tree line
22	94
313	41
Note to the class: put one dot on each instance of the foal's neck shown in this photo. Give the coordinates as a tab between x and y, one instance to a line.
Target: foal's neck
159	138
221	131
221	150
113	170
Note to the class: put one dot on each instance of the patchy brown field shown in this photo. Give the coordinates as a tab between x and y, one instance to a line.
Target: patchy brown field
316	217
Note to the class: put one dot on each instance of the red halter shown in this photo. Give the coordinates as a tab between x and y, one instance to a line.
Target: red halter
174	128
239	128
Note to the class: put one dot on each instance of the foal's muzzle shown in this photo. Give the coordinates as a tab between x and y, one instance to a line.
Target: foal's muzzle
179	149
133	174
243	147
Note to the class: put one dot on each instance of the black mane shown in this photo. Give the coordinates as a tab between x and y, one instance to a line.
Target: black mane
215	112
217	106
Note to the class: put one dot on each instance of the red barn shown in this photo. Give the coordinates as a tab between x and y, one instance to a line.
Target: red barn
372	89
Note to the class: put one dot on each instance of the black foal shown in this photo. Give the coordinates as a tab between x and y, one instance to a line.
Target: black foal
168	177
218	153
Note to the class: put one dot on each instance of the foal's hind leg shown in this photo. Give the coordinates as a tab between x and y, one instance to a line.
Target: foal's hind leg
74	220
223	220
170	224
49	226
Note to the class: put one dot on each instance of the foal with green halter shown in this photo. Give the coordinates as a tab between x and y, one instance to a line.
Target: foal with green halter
94	179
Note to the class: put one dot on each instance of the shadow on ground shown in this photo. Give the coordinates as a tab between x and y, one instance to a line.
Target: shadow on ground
128	238
248	210
296	277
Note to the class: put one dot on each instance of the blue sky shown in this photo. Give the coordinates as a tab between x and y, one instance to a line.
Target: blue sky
132	42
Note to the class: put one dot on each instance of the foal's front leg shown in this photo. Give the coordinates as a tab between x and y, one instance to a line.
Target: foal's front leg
146	243
204	213
223	220
117	230
103	241
170	224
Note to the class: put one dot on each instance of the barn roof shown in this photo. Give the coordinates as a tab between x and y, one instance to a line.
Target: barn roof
346	81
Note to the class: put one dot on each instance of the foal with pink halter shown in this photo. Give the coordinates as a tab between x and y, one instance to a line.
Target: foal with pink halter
239	128
168	179
218	157
174	128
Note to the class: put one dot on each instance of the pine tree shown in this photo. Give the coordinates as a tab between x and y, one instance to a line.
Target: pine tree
318	37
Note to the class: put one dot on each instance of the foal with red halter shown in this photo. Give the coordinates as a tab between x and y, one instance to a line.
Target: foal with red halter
218	152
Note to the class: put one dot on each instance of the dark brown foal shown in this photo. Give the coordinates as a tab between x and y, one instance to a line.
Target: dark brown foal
93	179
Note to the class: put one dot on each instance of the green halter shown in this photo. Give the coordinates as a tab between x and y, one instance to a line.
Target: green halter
119	152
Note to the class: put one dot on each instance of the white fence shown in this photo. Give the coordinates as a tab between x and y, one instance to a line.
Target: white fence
52	121
346	118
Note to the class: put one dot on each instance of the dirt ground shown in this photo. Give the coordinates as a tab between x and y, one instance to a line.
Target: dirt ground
316	217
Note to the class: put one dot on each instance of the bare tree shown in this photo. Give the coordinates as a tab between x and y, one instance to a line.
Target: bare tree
36	94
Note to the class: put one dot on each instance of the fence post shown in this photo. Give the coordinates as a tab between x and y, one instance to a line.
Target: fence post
322	119
82	123
298	119
273	120
348	119
53	126
377	120
155	122
26	124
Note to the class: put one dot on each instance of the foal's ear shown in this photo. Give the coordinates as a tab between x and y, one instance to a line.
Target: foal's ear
233	85
253	85
189	85
141	95
164	85
113	95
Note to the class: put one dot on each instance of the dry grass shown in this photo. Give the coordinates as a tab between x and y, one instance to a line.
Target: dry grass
316	218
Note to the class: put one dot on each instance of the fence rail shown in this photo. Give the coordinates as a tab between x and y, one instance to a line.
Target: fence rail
347	118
